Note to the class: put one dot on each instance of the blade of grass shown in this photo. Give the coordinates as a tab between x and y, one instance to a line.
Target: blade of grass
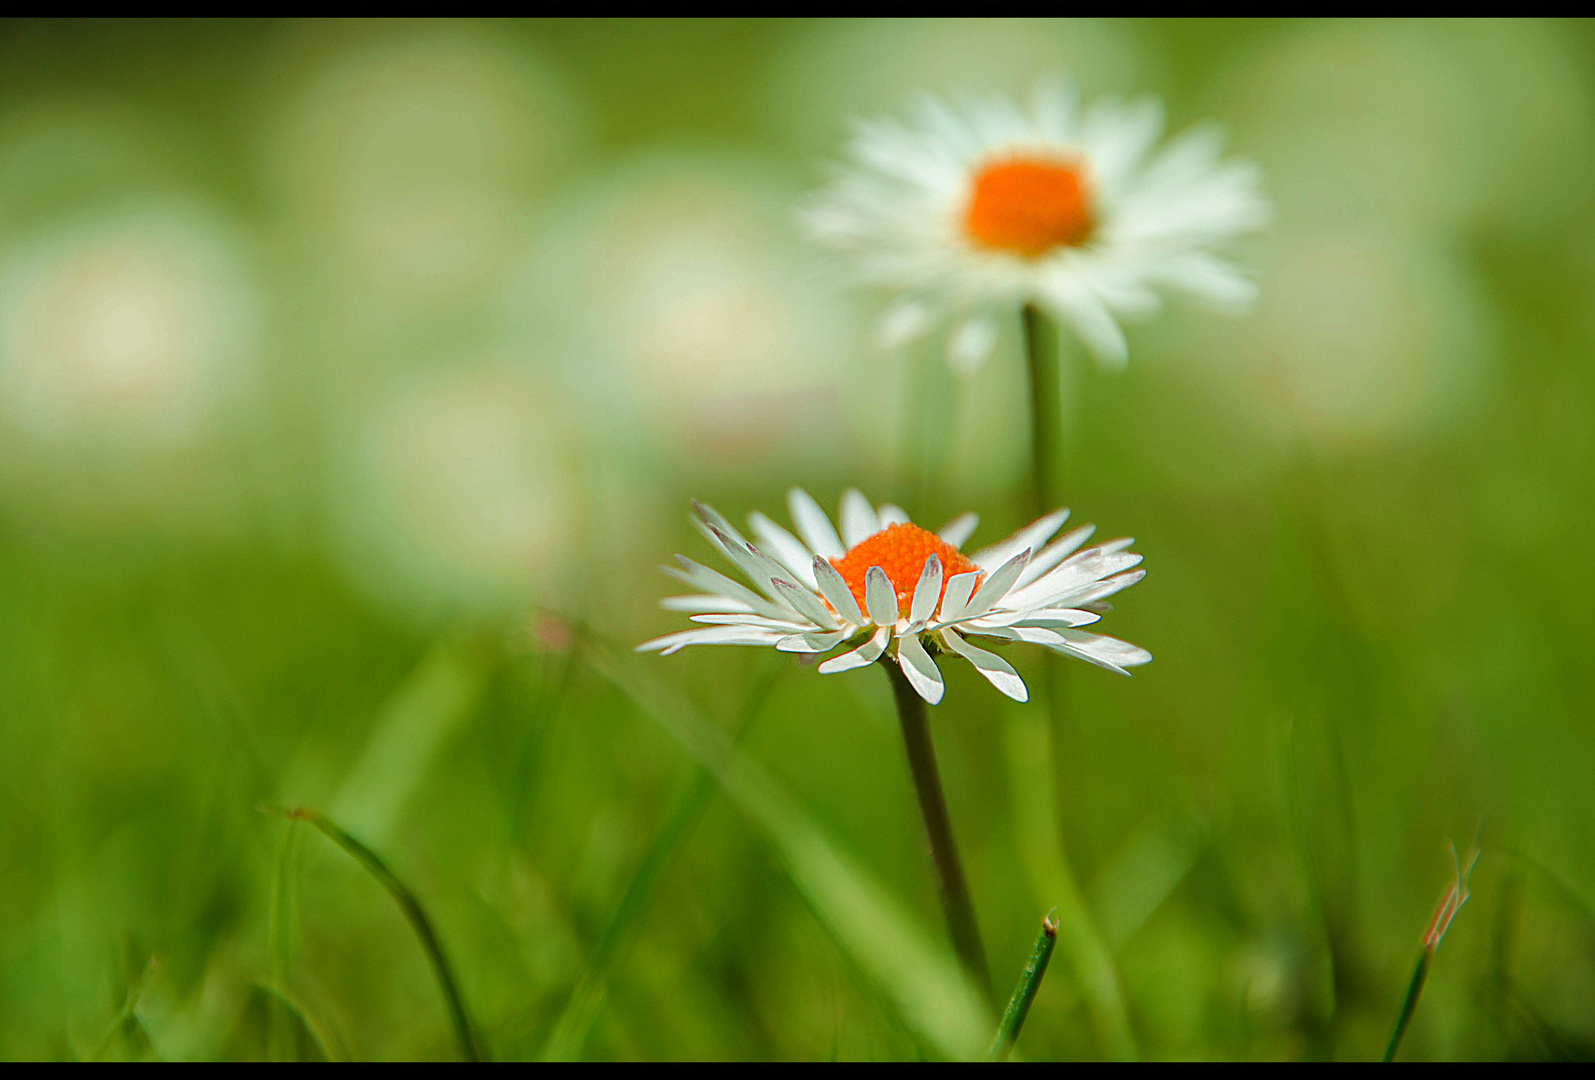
414	723
1013	1018
1030	756
924	982
576	1019
294	1007
279	937
1456	895
127	1019
413	912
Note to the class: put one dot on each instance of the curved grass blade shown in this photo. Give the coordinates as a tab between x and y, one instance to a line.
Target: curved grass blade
1030	777
127	1019
415	723
925	983
576	1019
1456	895
296	1008
1013	1018
413	912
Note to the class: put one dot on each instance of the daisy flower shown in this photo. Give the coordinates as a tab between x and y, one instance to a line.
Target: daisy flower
970	212
884	587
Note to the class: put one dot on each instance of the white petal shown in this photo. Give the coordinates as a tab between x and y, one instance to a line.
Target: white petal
970	344
710	635
805	603
1096	590
812	524
812	643
1032	536
1052	617
786	626
880	597
762	570
1054	553
716	583
1109	652
1073	302
891	514
997	671
1058	589
788	550
996	586
923	675
722	605
927	592
959	529
708	515
867	653
956	598
859	521
902	322
834	588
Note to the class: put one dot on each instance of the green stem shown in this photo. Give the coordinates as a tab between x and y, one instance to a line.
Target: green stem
950	884
1025	993
1045	422
1420	975
413	912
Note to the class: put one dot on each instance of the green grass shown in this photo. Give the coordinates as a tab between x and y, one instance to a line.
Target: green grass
1367	640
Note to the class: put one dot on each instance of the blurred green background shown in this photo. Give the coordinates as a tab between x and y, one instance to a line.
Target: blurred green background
345	367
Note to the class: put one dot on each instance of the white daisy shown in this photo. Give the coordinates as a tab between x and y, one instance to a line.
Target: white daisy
967	213
886	587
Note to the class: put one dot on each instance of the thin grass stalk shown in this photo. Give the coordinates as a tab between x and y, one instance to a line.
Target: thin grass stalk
419	922
279	940
951	885
1420	975
1013	1018
286	1001
1456	895
576	1019
127	1018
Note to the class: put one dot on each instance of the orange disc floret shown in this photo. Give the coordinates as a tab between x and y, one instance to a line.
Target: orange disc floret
900	551
1029	206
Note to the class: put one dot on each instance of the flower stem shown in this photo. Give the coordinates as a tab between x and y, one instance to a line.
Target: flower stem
413	912
1045	422
1024	993
1420	975
950	883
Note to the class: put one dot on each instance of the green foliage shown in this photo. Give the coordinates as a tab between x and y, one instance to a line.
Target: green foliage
1365	515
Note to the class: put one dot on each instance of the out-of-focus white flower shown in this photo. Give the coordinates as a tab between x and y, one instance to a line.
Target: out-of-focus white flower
886	587
411	156
125	336
460	493
968	212
1362	335
672	301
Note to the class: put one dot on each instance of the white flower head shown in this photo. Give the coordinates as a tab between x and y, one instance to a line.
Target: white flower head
967	212
886	587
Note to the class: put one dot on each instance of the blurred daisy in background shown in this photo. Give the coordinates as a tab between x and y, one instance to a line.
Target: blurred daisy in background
884	587
670	299
412	157
459	492
967	213
127	342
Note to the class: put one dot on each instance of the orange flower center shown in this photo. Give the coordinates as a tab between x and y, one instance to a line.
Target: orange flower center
900	551
1029	206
